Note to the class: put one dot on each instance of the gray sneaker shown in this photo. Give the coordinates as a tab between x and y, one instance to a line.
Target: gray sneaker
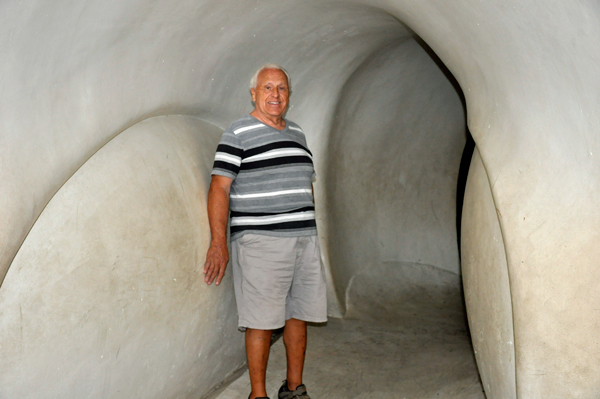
298	393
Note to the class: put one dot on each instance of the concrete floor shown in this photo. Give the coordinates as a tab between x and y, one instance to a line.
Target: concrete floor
413	344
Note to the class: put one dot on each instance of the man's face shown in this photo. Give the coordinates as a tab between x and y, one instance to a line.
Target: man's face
271	93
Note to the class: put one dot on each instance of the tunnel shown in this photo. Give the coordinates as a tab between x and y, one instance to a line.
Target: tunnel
110	113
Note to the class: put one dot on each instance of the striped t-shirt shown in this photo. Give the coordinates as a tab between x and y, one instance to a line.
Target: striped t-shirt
272	172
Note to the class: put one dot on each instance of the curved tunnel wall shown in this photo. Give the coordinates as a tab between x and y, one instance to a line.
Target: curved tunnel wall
487	286
111	301
76	75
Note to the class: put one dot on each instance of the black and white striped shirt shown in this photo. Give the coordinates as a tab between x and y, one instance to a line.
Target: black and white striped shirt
271	193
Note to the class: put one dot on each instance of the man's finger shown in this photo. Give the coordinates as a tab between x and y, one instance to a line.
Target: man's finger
210	277
208	271
221	274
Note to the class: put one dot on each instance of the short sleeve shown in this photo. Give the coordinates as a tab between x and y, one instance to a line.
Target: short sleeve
229	156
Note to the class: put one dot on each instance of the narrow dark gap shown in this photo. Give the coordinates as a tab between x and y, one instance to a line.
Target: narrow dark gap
461	184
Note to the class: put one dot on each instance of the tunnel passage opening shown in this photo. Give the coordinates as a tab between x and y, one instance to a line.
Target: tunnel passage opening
399	153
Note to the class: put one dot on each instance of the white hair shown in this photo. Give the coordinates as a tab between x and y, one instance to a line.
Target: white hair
254	79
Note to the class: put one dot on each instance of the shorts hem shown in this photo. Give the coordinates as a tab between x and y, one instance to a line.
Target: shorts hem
244	326
308	319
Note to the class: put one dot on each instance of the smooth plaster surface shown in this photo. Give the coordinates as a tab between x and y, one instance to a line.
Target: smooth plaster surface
487	287
112	303
75	75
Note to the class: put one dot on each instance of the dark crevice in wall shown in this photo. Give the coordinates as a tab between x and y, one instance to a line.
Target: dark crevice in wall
461	184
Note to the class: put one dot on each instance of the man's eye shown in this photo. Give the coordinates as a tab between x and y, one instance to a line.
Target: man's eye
282	89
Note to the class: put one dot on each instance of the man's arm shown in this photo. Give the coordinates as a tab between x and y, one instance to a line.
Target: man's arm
218	213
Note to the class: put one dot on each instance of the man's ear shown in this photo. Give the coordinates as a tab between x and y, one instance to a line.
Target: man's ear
253	93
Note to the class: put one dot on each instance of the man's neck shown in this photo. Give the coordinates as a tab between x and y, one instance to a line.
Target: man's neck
275	122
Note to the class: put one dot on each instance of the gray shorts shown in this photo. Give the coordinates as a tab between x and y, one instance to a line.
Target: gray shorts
276	279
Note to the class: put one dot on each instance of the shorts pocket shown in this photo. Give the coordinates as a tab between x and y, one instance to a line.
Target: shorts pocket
249	239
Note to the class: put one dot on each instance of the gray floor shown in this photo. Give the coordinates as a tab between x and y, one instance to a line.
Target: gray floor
410	342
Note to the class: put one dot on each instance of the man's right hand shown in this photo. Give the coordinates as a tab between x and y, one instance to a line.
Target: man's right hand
216	263
218	213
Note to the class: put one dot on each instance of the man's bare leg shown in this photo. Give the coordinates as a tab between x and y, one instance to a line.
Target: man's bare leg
258	344
294	338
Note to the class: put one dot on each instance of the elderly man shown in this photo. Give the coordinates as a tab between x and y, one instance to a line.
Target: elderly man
263	173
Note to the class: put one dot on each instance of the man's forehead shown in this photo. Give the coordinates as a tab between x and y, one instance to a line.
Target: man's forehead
272	75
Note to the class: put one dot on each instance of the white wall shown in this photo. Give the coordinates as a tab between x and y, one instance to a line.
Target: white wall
106	296
75	75
487	287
